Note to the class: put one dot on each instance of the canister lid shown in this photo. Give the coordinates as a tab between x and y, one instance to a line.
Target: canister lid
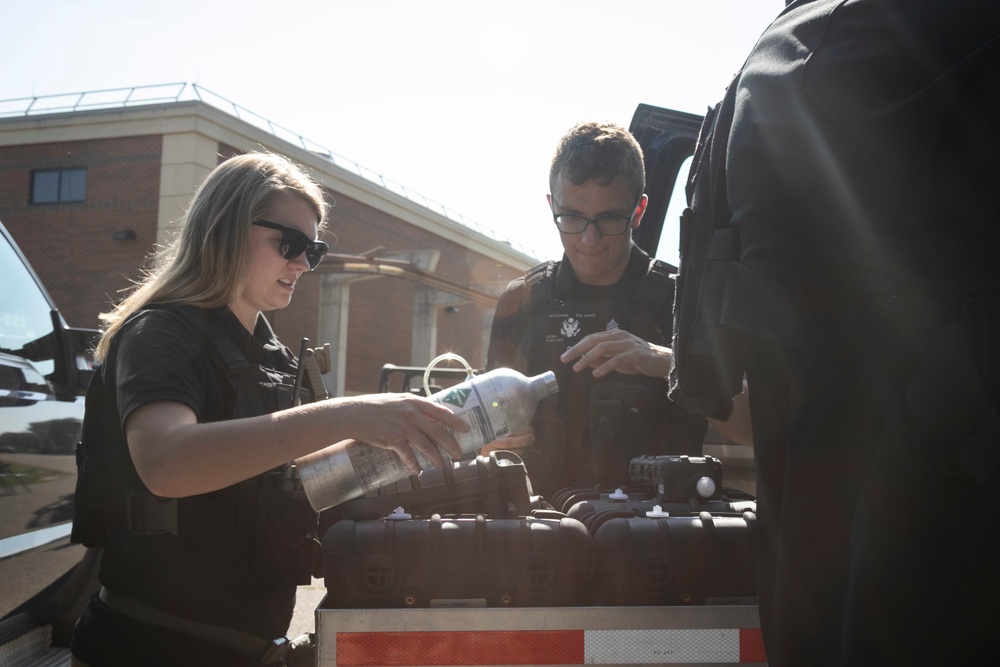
657	513
398	515
618	496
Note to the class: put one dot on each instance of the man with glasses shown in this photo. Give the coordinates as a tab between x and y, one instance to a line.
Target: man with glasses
600	319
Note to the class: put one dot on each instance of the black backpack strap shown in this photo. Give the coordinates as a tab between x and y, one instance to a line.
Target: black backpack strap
705	374
656	295
539	285
231	358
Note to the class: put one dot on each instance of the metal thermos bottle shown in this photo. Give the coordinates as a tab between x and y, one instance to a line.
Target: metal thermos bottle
494	404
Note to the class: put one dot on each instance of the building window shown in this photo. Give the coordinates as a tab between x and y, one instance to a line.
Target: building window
57	186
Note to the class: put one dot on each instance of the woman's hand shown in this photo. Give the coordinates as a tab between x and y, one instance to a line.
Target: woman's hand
404	422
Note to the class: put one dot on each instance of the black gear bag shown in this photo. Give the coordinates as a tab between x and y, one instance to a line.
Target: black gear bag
705	372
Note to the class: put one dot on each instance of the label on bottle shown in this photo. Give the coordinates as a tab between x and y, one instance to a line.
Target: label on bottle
375	467
482	407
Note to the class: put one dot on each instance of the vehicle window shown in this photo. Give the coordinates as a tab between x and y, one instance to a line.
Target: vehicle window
25	315
668	249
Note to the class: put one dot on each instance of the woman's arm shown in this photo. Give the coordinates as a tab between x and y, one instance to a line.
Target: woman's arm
176	456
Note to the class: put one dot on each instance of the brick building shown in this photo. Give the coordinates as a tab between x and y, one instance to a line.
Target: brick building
87	193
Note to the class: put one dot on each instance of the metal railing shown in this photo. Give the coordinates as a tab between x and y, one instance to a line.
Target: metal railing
177	92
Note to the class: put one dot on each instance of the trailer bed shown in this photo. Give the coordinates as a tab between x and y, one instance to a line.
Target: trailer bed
522	636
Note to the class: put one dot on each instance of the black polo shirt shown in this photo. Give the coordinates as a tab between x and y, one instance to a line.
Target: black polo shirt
159	355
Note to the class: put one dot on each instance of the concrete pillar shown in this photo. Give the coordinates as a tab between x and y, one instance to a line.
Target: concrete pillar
427	304
423	344
335	293
335	307
485	329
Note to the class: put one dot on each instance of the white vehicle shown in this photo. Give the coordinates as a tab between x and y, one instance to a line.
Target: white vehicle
44	370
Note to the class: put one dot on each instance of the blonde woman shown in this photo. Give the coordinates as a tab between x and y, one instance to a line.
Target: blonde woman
190	428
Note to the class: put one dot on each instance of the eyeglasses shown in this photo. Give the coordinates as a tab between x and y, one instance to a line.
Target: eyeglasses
293	243
607	225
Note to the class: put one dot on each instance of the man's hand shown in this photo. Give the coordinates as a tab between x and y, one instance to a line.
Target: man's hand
618	351
523	438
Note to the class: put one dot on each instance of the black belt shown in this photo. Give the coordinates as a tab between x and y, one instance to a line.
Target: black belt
264	651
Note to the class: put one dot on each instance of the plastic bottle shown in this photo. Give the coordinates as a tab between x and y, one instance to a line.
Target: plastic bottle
493	404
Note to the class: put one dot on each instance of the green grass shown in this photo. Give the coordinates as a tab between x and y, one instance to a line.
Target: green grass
30	474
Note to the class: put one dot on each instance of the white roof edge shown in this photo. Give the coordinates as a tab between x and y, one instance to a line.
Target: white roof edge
206	119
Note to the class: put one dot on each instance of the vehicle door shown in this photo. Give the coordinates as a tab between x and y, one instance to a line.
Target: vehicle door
43	372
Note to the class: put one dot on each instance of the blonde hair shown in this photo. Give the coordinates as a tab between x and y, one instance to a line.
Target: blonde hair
207	265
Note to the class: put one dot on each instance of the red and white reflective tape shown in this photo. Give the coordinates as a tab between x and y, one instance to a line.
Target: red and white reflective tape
549	647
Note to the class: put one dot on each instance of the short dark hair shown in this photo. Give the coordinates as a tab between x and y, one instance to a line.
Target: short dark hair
599	150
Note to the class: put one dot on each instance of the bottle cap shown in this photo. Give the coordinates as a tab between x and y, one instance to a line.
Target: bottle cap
550	383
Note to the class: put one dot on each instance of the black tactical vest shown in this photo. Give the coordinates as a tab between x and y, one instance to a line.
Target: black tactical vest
263	527
588	433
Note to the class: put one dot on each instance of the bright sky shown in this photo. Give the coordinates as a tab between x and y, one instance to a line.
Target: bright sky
461	101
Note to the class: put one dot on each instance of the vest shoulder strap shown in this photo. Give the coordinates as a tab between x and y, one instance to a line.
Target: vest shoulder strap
539	285
232	359
656	296
706	371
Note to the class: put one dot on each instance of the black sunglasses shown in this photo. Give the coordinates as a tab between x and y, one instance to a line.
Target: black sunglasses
293	243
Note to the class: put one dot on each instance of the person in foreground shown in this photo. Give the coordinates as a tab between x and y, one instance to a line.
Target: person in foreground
190	428
600	319
863	177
